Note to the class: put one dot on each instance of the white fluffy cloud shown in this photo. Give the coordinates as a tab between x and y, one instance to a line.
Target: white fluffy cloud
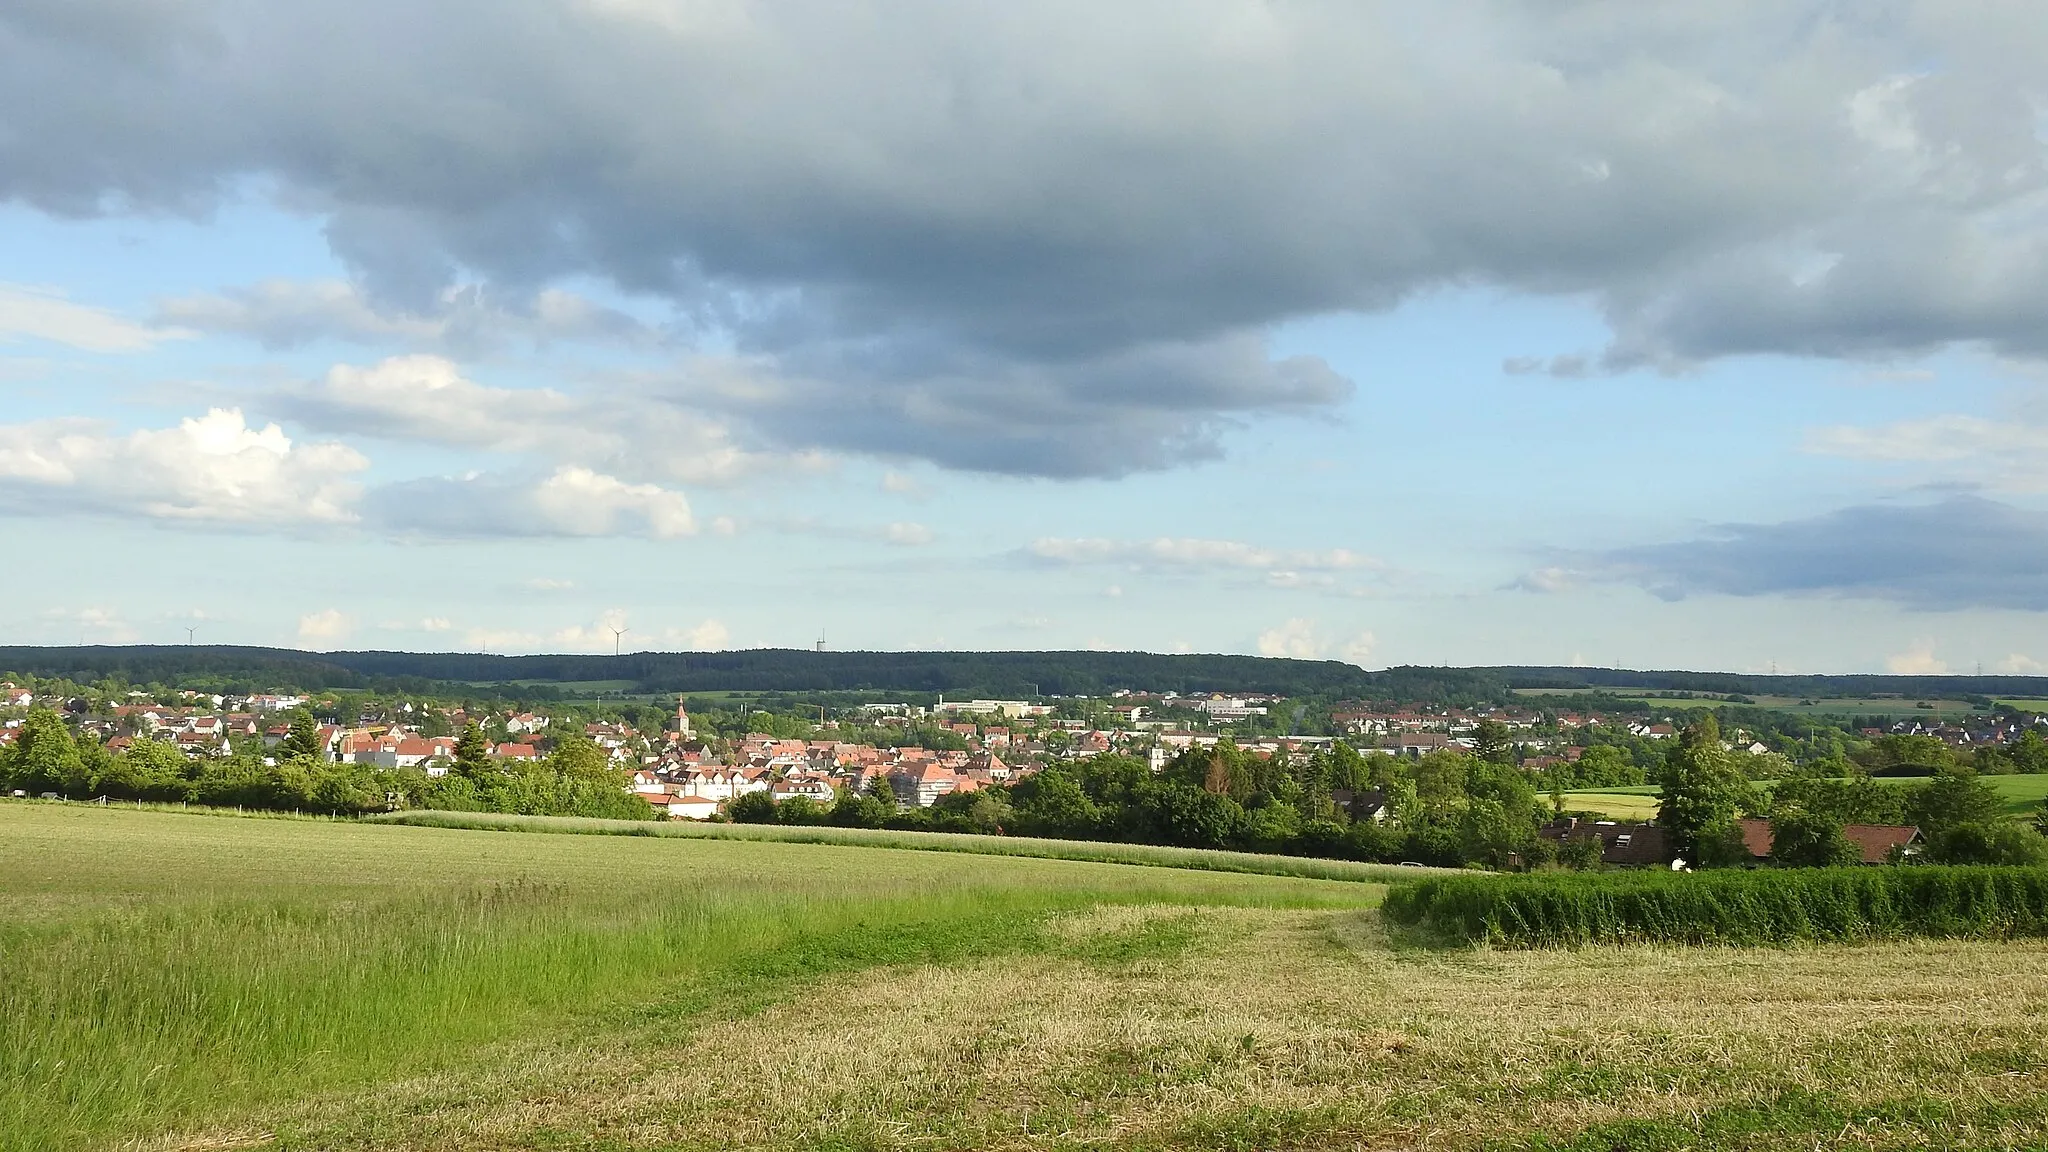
213	469
45	314
1295	638
2007	455
571	501
218	470
1168	552
426	399
1918	660
89	625
325	626
907	534
1300	639
709	636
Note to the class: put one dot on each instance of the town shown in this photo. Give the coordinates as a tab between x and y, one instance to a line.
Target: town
1515	783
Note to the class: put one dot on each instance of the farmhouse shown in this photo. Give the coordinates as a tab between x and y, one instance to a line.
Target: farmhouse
1622	845
1875	841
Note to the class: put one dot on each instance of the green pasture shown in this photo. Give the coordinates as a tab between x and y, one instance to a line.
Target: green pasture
182	983
1888	706
1096	851
164	970
2023	796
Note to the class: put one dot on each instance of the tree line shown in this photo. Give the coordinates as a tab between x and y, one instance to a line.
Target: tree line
575	779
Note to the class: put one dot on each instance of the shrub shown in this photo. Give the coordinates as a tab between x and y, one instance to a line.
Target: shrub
1760	907
752	808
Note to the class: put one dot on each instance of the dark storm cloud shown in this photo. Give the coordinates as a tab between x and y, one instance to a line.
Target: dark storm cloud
1963	552
926	211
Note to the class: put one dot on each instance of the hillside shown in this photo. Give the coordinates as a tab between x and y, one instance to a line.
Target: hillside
1005	674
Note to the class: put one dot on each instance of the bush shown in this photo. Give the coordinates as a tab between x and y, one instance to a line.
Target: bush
1761	907
751	808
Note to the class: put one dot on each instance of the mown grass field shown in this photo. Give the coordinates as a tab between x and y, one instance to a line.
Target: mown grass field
184	982
2023	796
1151	855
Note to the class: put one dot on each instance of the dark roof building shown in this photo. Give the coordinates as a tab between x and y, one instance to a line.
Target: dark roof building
1622	845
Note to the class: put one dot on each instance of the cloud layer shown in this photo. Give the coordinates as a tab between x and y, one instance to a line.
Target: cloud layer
1050	238
213	469
218	470
1169	552
1962	552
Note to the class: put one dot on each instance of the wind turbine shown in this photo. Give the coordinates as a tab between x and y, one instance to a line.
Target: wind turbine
618	634
189	630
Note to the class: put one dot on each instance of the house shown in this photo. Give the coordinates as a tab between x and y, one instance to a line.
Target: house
991	765
1418	744
1621	845
1876	842
920	786
809	787
1368	805
691	808
510	751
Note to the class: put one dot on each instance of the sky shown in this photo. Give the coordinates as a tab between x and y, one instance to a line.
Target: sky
1679	336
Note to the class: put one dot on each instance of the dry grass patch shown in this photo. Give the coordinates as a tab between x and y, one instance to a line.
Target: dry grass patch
1242	1028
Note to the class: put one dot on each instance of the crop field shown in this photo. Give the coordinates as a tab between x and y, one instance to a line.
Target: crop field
1613	804
188	982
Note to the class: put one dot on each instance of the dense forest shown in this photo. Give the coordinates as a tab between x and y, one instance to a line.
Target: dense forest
1001	674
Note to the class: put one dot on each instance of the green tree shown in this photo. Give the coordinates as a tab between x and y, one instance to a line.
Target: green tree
2001	842
2029	753
1954	797
303	740
577	757
1906	756
1053	803
752	808
1494	743
148	770
44	757
1604	766
1580	853
1193	817
1703	789
1802	838
473	755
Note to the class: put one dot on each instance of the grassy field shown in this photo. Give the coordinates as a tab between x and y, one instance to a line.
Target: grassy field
183	982
2023	796
1889	706
1612	804
1151	855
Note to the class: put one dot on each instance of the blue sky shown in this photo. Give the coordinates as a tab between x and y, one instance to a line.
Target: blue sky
1690	338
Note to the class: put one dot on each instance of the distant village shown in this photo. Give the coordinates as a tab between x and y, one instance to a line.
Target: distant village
685	774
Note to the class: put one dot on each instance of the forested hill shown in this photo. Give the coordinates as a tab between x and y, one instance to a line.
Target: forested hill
1006	674
1002	674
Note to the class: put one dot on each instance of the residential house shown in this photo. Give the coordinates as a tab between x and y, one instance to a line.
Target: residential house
1875	842
1621	845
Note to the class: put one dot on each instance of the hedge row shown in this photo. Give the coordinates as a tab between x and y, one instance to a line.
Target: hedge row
1549	910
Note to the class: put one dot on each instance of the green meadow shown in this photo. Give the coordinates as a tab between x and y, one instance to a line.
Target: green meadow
2023	796
186	982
